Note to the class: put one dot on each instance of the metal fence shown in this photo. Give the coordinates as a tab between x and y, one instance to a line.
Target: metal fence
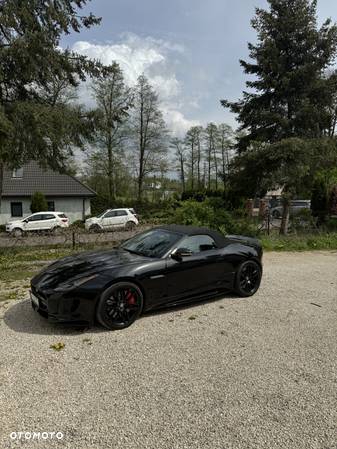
71	237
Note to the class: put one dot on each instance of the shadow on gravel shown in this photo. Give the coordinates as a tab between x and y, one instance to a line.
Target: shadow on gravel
22	318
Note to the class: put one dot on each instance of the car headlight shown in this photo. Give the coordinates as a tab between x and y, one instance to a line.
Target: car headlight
74	284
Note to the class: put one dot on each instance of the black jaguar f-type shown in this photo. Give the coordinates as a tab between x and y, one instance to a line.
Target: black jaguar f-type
164	266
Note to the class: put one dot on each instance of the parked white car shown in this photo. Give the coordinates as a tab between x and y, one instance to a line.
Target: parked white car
40	221
296	206
112	219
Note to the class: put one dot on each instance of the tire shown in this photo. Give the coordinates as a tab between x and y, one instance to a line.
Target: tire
119	305
248	278
94	228
56	230
130	225
17	232
276	214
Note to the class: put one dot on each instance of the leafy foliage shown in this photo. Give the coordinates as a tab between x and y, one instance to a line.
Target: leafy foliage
35	120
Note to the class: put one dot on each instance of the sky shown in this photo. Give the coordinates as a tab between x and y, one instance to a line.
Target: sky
189	50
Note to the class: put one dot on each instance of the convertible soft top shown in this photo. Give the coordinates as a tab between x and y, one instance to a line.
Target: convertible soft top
219	239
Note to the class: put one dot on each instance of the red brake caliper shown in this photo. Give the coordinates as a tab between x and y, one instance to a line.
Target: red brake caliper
130	298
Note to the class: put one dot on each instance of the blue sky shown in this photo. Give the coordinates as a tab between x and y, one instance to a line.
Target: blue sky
190	50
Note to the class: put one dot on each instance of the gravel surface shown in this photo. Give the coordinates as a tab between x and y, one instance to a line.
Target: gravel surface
227	374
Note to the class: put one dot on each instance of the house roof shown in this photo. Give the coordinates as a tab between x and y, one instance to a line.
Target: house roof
46	181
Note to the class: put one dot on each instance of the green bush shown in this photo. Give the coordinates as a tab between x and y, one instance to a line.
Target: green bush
39	203
77	224
211	213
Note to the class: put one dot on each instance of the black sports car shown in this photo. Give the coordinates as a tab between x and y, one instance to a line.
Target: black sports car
164	266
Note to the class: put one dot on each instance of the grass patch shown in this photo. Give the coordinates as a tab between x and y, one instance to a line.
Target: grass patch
21	263
304	242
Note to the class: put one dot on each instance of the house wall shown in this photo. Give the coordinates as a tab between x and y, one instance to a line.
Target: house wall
73	207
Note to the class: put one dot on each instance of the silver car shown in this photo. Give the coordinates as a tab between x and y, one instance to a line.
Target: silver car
295	207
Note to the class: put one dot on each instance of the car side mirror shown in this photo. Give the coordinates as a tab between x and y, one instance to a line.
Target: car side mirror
25	221
180	253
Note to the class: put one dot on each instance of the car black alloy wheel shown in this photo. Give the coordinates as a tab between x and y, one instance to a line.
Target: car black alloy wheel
248	278
120	305
276	214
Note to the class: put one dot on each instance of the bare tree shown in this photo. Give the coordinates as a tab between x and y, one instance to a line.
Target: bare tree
225	144
114	100
180	154
211	137
148	132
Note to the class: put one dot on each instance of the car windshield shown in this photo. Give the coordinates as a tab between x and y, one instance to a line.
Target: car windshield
101	214
153	243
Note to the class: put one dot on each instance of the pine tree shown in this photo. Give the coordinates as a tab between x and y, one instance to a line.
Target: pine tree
290	94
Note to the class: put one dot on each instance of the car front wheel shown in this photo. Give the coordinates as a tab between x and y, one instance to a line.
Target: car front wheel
248	278
17	232
94	228
120	305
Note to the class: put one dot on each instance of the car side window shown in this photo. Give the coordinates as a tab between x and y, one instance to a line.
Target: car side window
48	217
121	213
110	214
35	218
197	243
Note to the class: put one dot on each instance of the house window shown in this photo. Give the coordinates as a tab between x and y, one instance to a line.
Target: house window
51	206
17	173
16	209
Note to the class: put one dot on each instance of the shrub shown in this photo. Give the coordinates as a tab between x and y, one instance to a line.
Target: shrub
319	200
39	203
77	224
211	213
333	201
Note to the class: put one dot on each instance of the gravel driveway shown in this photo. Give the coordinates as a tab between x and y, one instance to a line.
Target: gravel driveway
227	374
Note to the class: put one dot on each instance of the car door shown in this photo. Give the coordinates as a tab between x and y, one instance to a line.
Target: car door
109	219
197	273
33	223
121	218
48	222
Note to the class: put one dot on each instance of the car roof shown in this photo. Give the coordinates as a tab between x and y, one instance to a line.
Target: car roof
219	238
47	212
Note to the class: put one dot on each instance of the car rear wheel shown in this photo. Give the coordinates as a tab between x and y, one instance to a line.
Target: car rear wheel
248	278
276	214
130	225
17	232
56	230
120	305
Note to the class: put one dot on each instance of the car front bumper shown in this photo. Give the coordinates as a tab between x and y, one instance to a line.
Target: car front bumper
60	308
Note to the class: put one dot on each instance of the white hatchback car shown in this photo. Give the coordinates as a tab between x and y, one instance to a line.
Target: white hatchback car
40	221
112	219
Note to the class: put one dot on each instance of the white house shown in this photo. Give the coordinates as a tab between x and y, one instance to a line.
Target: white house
63	192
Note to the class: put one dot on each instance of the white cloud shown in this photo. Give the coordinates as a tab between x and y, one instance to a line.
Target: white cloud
153	57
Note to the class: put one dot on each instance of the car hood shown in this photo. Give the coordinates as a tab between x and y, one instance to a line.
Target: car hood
14	222
84	264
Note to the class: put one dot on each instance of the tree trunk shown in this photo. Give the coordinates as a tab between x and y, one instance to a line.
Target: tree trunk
198	165
110	173
192	166
182	172
285	216
1	181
